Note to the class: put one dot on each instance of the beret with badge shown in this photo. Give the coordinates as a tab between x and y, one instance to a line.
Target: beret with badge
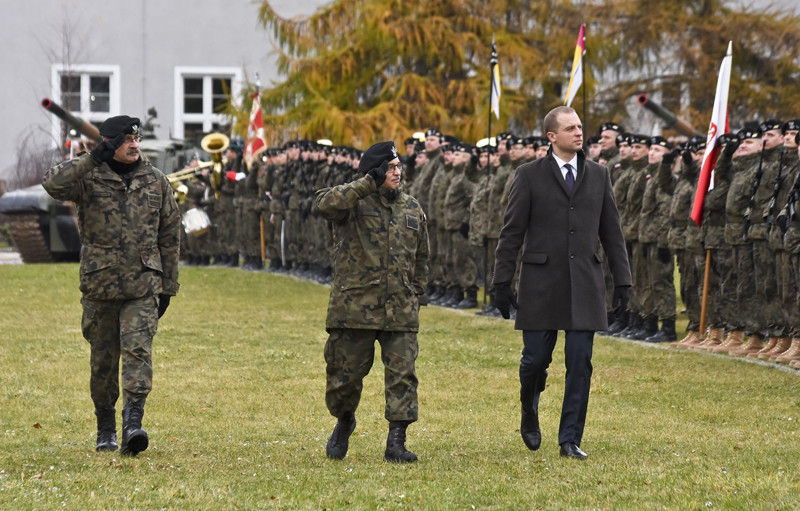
119	125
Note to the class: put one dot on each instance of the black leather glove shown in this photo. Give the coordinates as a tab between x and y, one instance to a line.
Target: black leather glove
687	157
669	158
504	299
379	173
163	303
464	230
104	151
664	255
730	148
620	298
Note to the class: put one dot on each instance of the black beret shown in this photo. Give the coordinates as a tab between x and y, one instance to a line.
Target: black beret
639	139
433	132
419	147
515	140
409	141
113	126
595	140
376	155
770	124
751	129
505	136
726	138
659	140
793	124
613	126
543	141
697	143
291	143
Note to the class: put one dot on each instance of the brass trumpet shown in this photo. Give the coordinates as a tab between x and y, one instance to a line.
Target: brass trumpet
215	144
187	172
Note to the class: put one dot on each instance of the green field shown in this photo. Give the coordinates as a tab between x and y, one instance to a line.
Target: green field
237	418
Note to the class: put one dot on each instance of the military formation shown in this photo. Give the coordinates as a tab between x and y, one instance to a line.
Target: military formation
748	228
748	237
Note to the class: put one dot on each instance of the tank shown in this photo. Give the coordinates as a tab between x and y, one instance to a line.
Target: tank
671	120
45	230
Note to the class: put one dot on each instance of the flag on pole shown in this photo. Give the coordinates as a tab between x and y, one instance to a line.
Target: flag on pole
719	120
256	143
576	76
495	92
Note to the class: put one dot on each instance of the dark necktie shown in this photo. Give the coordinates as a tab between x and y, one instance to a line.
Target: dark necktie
569	178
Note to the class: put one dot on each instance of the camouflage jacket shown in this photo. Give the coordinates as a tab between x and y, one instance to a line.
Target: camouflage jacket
737	202
633	202
457	199
129	234
380	264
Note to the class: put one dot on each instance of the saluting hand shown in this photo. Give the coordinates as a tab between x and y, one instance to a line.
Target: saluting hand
379	173
104	151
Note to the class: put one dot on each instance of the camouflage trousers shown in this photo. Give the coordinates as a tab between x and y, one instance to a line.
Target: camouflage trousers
784	309
721	304
120	330
349	354
691	284
462	264
661	284
794	304
640	292
747	302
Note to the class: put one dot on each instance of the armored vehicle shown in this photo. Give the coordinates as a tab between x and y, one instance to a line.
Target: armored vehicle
45	230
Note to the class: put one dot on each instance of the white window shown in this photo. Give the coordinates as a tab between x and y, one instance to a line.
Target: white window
200	93
91	92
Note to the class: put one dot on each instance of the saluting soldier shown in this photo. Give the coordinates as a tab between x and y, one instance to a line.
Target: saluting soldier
129	226
380	272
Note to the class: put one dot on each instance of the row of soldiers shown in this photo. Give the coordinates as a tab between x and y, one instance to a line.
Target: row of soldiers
463	189
749	236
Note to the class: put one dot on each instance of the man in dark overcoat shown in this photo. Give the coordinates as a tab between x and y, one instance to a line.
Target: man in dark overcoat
561	207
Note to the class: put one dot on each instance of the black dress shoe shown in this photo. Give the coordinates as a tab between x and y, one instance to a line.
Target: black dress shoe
571	450
529	430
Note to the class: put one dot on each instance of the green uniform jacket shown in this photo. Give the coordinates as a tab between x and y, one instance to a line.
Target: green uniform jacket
129	234
381	255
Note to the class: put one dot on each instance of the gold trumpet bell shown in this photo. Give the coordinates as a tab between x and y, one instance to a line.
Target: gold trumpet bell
215	143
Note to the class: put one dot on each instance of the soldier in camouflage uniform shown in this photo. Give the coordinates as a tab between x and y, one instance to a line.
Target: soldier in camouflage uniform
380	272
129	226
788	220
461	261
653	234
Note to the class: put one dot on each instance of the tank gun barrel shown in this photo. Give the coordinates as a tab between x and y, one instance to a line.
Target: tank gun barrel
79	124
672	120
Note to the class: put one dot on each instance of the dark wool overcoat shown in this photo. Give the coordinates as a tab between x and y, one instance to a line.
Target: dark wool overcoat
561	285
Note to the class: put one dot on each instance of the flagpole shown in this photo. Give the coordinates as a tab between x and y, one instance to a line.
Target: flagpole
492	63
583	72
260	195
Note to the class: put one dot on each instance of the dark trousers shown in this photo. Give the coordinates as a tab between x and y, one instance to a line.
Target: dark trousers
537	354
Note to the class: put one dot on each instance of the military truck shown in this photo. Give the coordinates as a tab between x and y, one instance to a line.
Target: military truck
45	230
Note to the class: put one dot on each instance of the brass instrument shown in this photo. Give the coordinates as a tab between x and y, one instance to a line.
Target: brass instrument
188	172
215	144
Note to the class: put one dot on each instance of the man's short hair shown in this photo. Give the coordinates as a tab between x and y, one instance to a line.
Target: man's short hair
551	119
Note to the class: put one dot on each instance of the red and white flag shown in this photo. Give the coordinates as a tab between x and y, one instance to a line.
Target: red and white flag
576	75
719	121
256	143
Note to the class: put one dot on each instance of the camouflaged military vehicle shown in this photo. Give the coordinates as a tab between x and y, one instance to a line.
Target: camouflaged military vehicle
45	230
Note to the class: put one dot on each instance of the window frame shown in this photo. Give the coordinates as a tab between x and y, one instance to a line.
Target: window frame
208	117
86	72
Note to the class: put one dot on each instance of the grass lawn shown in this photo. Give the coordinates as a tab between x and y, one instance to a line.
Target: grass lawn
237	417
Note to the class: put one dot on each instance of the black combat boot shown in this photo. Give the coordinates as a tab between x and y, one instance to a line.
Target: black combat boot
649	327
134	438
635	322
396	451
220	260
666	334
436	295
455	298
106	430
340	438
470	301
619	324
233	260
